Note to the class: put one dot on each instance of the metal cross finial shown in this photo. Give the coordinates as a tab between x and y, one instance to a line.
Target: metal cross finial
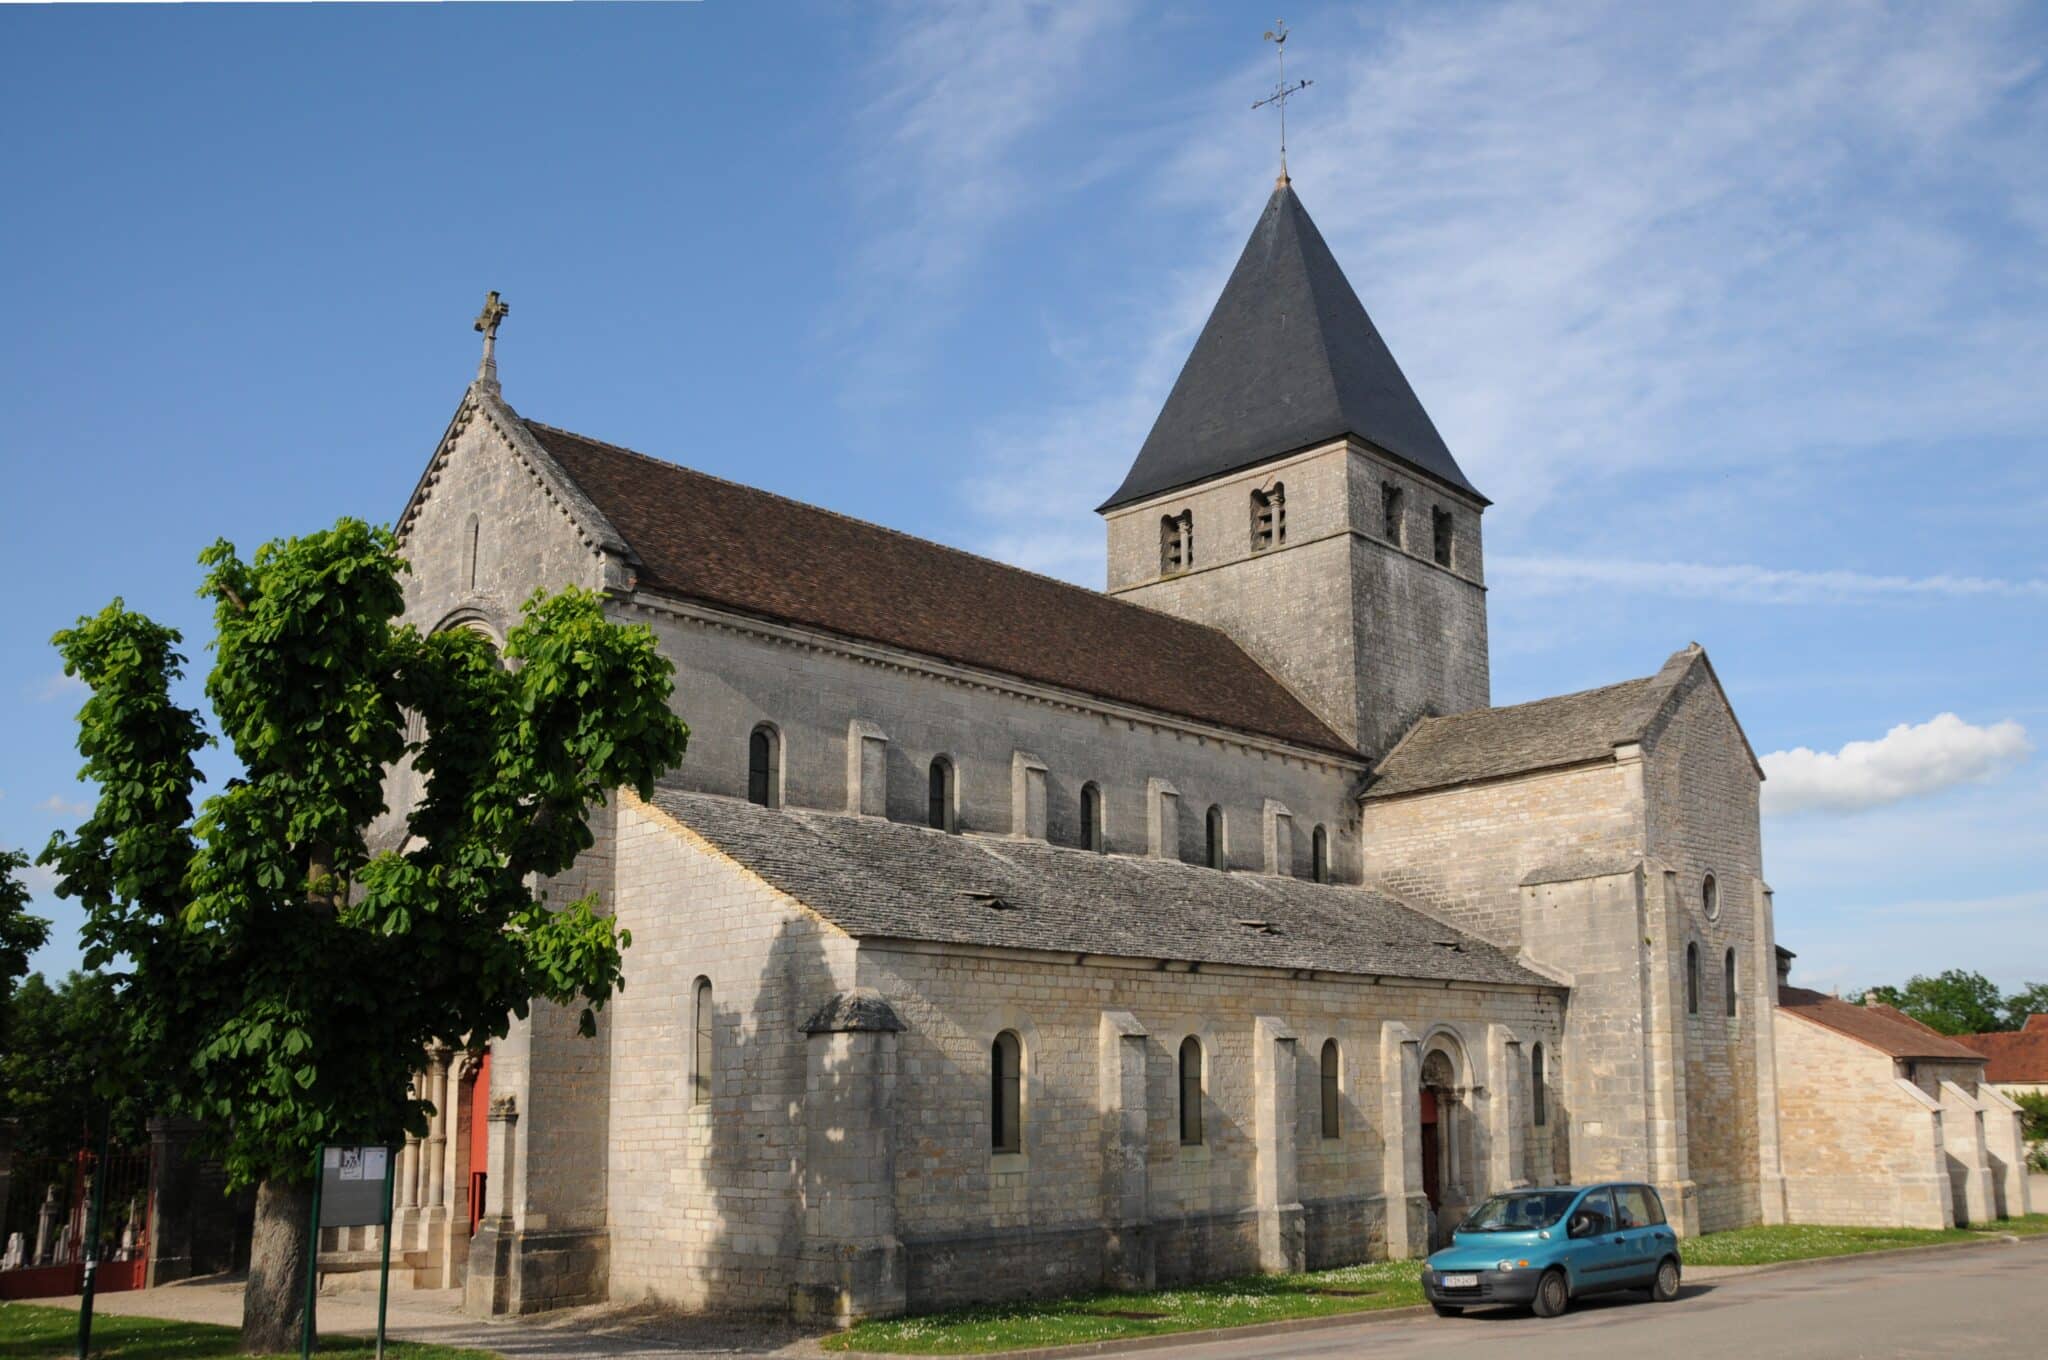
487	322
1277	35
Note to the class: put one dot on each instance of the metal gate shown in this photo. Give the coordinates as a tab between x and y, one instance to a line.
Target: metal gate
43	1247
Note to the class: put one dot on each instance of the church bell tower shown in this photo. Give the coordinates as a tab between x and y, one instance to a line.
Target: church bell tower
1294	494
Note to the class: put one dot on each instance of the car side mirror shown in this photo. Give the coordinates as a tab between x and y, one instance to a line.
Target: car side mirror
1580	1226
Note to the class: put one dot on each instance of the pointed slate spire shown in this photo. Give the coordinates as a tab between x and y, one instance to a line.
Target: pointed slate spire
1288	359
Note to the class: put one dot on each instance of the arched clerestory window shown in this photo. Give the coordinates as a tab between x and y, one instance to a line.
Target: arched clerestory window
1218	854
942	806
1006	1093
1692	979
1332	1089
1092	837
703	1055
1319	854
764	767
1190	1091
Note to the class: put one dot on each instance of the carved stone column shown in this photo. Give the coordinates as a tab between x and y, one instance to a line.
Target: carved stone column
436	1150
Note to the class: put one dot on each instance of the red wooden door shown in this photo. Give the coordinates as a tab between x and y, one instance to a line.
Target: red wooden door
479	1140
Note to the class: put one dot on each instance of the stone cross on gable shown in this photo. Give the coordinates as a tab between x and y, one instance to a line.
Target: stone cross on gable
487	320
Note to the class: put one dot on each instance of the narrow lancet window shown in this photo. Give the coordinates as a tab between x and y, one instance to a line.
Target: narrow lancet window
1332	1068
764	756
1692	979
1319	854
1390	513
1006	1093
1728	981
702	1056
1539	1094
1440	536
1218	855
1091	819
939	812
1190	1091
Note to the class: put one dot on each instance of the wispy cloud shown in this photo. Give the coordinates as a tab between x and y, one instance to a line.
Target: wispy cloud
1745	582
60	806
1910	761
60	686
956	94
1593	259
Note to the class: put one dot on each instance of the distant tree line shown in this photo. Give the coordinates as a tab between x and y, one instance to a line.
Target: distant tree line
1961	1002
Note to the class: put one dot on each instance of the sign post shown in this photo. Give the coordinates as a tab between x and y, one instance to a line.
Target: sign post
92	1237
353	1190
384	1266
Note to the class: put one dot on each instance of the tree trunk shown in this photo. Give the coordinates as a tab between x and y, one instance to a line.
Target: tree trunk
274	1302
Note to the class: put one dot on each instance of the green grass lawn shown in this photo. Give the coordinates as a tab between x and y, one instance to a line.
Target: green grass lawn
1800	1242
1118	1317
35	1332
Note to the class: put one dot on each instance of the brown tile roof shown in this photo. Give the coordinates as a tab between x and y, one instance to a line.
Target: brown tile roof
1491	743
2015	1056
1882	1027
702	538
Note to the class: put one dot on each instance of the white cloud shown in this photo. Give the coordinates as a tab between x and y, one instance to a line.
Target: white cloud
60	806
1746	582
1909	761
61	686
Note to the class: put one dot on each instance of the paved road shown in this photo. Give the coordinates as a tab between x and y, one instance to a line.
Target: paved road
1991	1301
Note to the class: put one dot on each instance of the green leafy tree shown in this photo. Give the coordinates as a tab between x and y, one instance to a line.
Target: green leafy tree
1956	1002
51	1077
20	933
2030	999
283	974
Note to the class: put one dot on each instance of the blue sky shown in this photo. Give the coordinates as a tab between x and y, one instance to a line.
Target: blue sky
1740	319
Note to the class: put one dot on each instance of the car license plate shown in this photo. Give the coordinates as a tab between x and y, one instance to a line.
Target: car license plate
1461	1281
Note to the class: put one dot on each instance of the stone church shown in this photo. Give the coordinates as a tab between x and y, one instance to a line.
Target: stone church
1000	936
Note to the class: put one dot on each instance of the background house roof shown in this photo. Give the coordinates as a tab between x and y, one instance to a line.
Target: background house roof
1287	359
703	538
2019	1056
1882	1027
877	878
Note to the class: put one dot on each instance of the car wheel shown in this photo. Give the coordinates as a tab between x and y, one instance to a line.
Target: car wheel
1447	1309
1552	1295
1665	1288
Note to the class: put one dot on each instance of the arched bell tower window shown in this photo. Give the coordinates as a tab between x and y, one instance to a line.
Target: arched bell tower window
1091	819
941	809
764	767
1176	542
1391	505
1440	536
1269	517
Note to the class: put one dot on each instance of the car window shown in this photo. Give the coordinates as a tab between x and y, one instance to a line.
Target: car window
1632	1207
1599	1207
1654	1204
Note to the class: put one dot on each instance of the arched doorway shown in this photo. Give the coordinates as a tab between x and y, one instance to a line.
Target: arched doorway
1446	1155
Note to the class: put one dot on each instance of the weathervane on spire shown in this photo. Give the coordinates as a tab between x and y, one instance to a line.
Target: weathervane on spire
1277	35
487	322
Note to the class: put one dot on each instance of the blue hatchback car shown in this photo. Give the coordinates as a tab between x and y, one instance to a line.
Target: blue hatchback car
1547	1247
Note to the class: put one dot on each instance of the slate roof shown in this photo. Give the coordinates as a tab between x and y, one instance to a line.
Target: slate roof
1491	743
1287	359
1883	1028
699	537
881	879
2020	1055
